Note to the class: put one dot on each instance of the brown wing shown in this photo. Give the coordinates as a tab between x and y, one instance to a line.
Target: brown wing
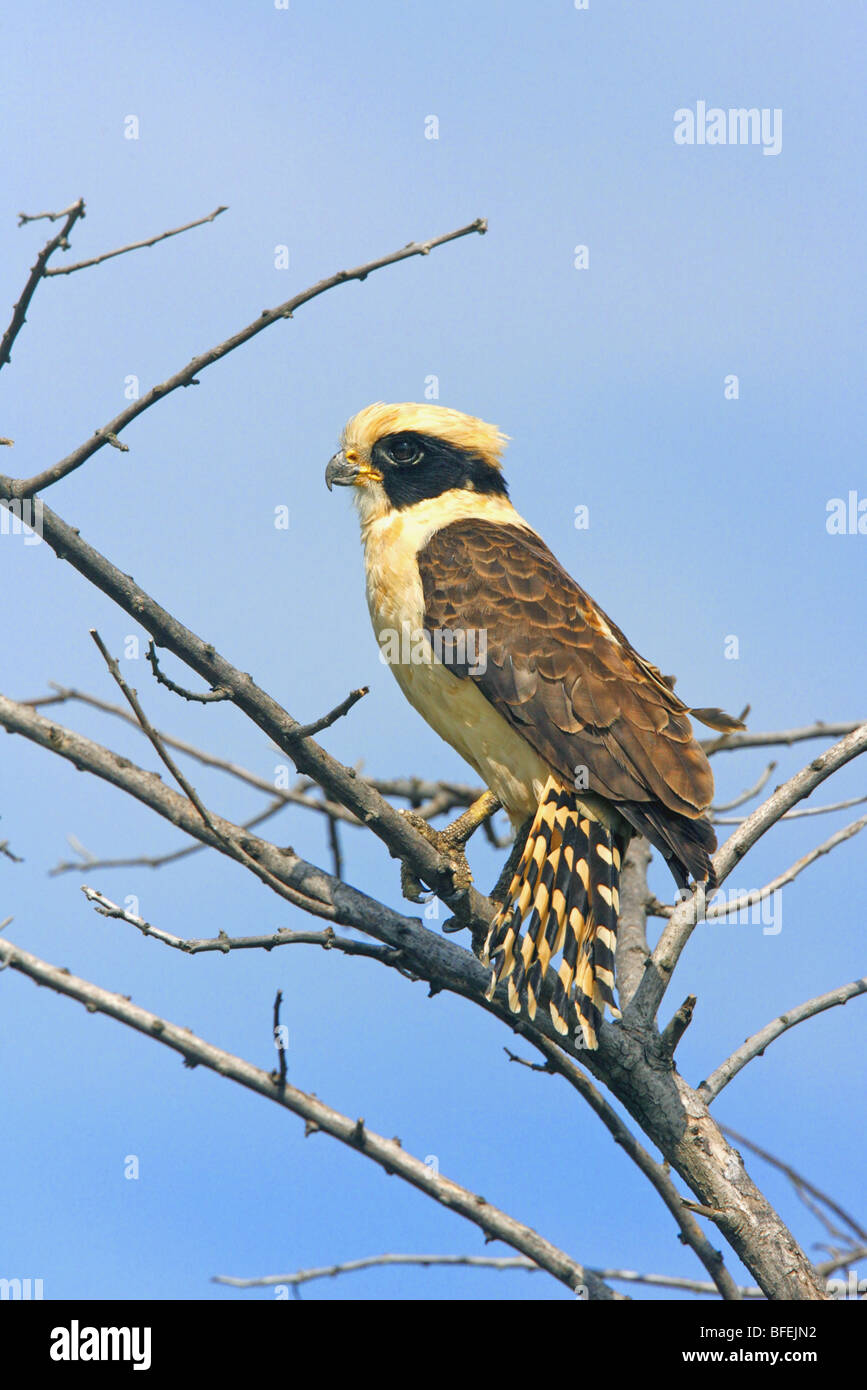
566	677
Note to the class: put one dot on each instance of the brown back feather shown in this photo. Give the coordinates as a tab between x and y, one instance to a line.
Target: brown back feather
566	677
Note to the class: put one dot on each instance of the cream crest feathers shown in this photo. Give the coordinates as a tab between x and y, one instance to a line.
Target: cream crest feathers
452	426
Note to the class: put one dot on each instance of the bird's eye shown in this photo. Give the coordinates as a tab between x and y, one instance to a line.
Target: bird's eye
404	451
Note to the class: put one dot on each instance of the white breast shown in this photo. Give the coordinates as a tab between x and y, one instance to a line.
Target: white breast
454	707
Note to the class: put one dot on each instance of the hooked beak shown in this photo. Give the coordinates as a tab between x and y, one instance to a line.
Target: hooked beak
345	472
340	471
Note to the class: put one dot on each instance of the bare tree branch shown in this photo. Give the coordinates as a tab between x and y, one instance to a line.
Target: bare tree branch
187	787
235	847
146	861
387	1153
290	796
188	376
802	811
323	895
7	853
755	1045
785	797
340	783
427	798
19	314
279	1043
660	968
133	245
25	217
336	851
673	1115
744	796
725	909
798	1181
306	1276
657	1174
202	697
843	1260
307	730
728	743
509	1262
632	1058
633	951
327	939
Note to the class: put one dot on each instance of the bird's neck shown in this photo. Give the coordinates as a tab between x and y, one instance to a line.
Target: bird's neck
412	527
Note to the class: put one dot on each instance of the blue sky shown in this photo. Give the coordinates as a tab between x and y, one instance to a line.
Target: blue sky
707	521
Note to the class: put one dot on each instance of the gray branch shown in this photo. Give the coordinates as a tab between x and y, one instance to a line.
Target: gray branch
682	922
188	376
674	1116
755	1046
133	245
387	1153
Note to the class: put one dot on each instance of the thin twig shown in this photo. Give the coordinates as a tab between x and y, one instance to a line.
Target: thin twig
747	795
278	1041
729	743
725	909
441	796
843	1260
147	728
676	1027
691	910
306	1276
798	1181
236	850
25	217
292	796
37	273
336	852
283	936
802	811
502	1264
148	861
135	245
189	375
201	697
755	1045
308	730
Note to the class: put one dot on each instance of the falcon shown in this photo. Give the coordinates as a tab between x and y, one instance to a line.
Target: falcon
582	741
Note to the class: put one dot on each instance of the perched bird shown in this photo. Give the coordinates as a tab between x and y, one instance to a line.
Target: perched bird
524	675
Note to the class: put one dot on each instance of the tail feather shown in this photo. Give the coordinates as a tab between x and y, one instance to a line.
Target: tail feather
567	880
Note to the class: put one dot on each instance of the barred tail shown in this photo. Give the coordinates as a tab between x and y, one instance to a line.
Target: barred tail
567	880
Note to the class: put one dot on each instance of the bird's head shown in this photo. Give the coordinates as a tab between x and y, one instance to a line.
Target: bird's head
397	455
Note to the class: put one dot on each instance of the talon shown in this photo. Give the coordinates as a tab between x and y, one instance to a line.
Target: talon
449	843
411	887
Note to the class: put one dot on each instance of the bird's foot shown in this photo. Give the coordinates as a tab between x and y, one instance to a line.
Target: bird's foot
450	844
451	849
